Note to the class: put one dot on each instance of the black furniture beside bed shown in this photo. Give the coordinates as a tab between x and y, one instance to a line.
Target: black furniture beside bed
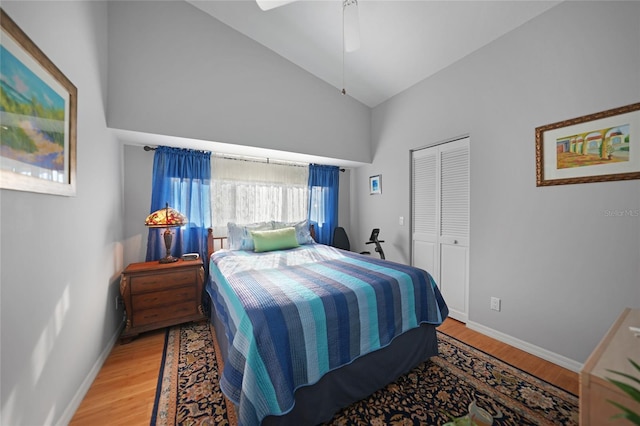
309	329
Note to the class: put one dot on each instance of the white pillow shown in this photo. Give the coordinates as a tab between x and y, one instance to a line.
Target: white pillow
302	230
239	236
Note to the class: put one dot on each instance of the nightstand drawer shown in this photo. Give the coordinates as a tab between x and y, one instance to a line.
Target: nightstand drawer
163	313
161	298
157	282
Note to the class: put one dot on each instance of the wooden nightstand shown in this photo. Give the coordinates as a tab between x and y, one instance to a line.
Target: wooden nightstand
158	295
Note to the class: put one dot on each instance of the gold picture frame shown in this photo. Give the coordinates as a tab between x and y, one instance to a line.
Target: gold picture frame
599	147
38	118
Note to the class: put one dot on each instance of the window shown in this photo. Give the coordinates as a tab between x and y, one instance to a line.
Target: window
247	191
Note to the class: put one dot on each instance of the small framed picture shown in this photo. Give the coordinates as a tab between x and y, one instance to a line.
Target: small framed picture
375	184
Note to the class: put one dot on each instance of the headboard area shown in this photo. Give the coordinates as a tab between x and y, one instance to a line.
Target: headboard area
217	243
212	245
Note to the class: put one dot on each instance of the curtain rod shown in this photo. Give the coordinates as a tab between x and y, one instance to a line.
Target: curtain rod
259	160
240	158
153	148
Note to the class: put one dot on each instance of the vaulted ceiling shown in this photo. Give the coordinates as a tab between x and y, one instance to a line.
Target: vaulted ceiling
402	42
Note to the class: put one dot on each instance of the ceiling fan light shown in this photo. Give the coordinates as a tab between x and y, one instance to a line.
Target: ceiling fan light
272	4
351	26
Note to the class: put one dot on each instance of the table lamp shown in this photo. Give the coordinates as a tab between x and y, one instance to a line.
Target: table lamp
166	218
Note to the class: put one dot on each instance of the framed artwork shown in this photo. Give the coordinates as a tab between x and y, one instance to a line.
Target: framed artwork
38	118
375	185
599	147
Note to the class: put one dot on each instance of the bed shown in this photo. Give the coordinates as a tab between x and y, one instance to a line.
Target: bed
306	329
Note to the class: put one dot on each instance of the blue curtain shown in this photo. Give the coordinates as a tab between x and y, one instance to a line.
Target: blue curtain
323	201
182	178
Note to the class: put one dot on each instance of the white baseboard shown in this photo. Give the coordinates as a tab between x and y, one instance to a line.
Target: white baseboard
68	413
527	347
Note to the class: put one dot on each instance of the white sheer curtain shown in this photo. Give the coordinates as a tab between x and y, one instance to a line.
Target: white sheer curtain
247	191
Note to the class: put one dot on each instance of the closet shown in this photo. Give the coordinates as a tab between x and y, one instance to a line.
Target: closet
440	219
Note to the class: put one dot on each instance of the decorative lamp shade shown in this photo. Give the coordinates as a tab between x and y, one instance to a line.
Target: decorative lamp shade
166	218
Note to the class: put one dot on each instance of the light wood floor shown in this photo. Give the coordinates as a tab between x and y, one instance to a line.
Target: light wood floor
123	392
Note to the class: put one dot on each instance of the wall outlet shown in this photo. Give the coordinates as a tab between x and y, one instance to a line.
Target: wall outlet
401	221
495	304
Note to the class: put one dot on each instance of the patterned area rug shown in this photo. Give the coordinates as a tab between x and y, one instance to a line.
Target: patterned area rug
434	393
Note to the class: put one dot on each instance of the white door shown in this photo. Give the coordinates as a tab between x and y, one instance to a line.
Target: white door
440	219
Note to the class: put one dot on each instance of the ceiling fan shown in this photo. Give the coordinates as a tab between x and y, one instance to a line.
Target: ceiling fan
350	20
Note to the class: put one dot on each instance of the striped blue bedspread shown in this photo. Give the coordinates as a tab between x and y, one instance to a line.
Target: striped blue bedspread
293	315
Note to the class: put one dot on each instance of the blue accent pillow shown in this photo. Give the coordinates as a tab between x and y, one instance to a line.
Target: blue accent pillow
239	236
303	235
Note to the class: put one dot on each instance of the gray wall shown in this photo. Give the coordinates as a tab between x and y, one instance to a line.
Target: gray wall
62	256
563	269
180	72
138	171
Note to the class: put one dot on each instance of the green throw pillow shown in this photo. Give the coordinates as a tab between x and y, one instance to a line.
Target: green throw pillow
277	239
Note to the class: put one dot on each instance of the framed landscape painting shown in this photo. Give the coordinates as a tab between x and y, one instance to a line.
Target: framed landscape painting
599	147
37	118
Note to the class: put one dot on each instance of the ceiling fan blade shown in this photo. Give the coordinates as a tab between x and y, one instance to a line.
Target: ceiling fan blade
272	4
351	20
351	25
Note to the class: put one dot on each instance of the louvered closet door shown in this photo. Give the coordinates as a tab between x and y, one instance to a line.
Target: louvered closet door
425	214
440	220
